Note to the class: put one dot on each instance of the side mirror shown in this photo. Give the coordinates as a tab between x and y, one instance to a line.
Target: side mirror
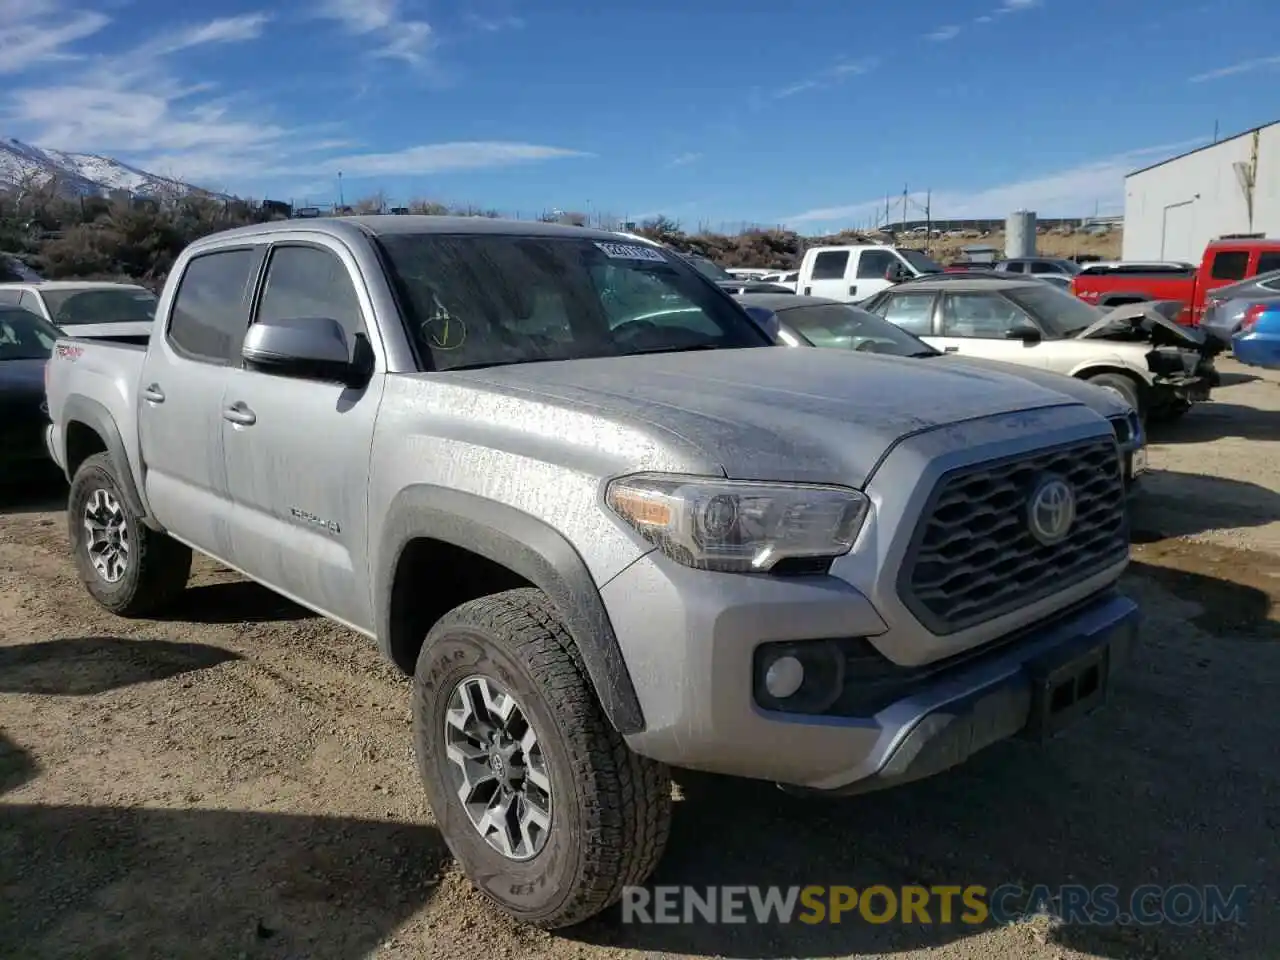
1026	333
309	349
897	273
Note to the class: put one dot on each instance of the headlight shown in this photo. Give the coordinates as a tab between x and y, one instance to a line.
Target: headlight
738	526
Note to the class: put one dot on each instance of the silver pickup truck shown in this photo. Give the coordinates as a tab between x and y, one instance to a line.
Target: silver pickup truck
560	480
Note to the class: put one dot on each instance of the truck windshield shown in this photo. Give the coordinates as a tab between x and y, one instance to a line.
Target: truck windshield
127	304
921	262
481	300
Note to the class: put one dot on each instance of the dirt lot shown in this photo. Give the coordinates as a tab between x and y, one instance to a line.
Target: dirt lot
237	782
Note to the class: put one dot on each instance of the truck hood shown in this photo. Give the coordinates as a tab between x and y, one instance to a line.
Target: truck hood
770	414
1151	320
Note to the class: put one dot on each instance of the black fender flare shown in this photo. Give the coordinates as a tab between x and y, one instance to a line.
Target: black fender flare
529	547
98	418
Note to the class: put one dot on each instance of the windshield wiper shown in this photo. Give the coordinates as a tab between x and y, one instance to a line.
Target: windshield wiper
924	353
687	349
482	364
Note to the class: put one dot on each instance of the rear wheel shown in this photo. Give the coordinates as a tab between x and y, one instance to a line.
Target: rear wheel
546	809
1126	388
126	566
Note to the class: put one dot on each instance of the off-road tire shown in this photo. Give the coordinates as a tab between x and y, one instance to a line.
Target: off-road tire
158	567
1127	387
611	808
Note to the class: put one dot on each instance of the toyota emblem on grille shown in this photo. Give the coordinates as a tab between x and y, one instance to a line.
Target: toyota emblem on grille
1051	510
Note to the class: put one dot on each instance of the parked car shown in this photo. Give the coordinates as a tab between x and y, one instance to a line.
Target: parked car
1225	262
818	322
785	278
1059	280
855	272
1257	342
603	541
1039	266
1225	307
1158	366
84	308
727	281
26	342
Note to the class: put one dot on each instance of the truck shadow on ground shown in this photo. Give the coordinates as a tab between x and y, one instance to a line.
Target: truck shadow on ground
131	882
83	666
1207	422
34	497
1158	787
1174	504
232	601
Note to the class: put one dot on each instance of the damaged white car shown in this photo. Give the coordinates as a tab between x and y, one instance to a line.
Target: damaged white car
1137	351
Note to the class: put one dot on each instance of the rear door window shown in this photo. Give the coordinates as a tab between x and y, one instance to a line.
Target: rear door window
830	265
874	264
912	312
1230	265
1268	261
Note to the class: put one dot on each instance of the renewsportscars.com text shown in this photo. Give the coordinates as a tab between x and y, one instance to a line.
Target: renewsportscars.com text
970	905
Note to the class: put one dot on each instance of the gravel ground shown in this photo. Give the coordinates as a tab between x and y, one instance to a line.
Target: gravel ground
237	781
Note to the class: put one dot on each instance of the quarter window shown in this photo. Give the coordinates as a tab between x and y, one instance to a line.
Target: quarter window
209	313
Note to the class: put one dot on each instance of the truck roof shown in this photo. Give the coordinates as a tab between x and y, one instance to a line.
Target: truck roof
71	285
397	224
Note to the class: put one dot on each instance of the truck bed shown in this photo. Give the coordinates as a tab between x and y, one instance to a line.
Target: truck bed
94	377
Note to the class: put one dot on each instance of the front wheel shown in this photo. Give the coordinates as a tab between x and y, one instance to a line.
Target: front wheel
1123	387
126	566
546	809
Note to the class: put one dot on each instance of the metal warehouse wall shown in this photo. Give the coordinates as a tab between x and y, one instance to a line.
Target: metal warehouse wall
1171	211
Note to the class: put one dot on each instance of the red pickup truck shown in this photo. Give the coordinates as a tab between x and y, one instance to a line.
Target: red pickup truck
1225	261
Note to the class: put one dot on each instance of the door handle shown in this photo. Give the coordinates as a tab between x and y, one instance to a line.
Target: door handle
239	414
853	291
950	349
152	393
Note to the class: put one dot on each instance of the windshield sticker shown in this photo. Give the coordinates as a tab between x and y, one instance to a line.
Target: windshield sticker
631	251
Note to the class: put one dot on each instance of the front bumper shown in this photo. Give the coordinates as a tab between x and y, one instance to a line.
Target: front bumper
690	640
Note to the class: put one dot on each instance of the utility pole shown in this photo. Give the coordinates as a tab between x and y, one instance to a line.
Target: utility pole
341	200
928	219
904	205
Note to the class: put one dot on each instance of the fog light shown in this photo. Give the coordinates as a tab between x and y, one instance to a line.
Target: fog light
784	677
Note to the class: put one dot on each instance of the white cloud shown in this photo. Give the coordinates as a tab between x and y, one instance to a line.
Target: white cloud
135	105
1244	66
1015	6
38	31
949	32
238	29
1074	192
684	159
828	77
985	18
427	159
394	35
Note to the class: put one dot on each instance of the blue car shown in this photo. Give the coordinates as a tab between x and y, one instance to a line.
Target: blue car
1258	341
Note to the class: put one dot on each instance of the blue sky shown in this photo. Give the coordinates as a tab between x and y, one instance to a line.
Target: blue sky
805	113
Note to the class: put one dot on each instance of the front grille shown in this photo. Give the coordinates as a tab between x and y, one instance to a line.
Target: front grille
973	556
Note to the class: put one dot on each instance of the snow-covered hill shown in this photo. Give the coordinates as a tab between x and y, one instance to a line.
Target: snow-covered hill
83	173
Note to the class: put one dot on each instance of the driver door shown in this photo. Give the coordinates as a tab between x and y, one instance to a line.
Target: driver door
297	450
975	324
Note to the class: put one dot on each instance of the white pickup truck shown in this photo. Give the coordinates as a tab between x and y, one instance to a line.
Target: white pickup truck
853	273
549	472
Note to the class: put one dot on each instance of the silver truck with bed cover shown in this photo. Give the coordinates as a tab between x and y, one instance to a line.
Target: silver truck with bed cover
549	472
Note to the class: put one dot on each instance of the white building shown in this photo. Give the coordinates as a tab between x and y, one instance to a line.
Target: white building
1174	208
